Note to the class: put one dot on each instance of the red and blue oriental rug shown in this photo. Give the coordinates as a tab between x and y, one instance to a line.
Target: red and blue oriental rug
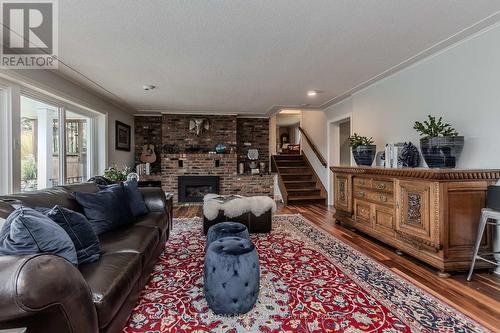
310	282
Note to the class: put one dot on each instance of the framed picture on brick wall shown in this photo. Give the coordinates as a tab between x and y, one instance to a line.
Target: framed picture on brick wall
122	136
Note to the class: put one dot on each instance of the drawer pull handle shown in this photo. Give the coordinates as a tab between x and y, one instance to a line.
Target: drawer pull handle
381	186
383	198
361	194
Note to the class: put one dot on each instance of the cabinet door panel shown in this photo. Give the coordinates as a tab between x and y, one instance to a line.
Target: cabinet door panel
362	212
383	219
343	192
417	219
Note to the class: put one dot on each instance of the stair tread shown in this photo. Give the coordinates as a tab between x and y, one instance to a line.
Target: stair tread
293	167
305	197
299	181
296	173
303	189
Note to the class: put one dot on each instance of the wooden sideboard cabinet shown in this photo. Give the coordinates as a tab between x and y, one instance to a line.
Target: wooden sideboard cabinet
431	214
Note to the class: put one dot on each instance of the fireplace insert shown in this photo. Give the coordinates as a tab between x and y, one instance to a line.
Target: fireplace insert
194	188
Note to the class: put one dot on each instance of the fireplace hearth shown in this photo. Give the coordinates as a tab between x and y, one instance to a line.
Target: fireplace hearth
194	188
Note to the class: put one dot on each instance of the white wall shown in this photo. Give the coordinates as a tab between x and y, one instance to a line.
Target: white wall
315	125
462	84
59	86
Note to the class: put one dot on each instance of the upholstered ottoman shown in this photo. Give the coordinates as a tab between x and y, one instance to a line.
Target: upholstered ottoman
226	229
231	276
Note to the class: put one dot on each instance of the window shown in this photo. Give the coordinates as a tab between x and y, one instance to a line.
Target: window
42	161
77	156
39	132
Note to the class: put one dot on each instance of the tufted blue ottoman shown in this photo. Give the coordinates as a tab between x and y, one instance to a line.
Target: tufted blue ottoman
231	276
226	229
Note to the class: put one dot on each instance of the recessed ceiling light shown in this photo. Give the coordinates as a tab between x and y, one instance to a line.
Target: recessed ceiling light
312	93
148	87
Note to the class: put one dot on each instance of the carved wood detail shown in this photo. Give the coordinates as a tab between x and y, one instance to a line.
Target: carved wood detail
430	214
423	173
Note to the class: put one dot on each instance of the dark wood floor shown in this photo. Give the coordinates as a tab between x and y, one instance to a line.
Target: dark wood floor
479	299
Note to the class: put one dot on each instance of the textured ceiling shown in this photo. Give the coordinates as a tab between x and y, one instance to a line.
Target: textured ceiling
246	57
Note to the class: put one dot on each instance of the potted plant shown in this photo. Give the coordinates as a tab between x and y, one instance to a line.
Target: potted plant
116	175
440	144
363	149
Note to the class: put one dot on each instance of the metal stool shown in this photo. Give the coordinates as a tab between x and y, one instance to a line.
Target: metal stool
489	216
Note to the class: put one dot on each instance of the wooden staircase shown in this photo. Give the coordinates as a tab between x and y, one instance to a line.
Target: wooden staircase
297	180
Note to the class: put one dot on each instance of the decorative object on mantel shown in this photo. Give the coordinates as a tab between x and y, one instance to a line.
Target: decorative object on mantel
253	156
440	143
221	148
197	125
133	176
363	149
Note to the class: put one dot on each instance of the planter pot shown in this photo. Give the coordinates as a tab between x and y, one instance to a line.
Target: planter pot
364	155
442	152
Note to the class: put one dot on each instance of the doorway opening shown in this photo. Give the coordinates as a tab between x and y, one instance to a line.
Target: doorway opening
339	150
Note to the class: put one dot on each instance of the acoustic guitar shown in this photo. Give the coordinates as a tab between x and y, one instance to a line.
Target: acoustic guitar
148	154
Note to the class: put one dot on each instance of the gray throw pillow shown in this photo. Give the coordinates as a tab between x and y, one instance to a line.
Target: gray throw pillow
27	231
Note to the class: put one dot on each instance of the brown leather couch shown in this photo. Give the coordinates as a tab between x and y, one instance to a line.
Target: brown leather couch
45	293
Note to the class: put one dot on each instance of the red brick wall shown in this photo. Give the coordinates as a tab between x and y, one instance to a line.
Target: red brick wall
175	131
253	133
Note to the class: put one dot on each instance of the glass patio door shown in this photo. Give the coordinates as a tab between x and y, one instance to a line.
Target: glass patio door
40	167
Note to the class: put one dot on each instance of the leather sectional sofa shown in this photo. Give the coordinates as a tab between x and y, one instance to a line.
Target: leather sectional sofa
45	293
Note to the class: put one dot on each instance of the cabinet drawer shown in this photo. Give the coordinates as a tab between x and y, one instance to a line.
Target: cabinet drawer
381	198
383	185
362	182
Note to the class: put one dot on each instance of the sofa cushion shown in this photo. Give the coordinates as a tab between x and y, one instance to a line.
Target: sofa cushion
111	280
154	220
78	228
105	209
130	239
27	231
135	199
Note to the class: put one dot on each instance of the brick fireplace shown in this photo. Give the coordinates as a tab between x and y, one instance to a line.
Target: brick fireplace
182	153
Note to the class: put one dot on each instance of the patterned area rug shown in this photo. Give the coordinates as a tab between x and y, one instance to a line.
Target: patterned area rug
310	282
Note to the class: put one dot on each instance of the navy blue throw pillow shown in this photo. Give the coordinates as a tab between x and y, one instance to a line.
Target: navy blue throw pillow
105	209
135	199
78	228
27	231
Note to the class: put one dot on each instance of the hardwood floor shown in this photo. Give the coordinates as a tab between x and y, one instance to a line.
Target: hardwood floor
479	299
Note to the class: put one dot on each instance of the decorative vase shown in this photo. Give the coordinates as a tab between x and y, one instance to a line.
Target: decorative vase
442	151
364	155
221	148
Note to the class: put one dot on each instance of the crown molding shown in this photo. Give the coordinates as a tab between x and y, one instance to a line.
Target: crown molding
96	90
460	37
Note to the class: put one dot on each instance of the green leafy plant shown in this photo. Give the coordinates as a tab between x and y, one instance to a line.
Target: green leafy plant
431	128
356	140
116	175
29	169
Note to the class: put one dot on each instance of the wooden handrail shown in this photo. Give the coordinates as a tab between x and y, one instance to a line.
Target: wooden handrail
313	147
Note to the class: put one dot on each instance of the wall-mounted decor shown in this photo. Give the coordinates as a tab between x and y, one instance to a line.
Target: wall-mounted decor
198	125
122	136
